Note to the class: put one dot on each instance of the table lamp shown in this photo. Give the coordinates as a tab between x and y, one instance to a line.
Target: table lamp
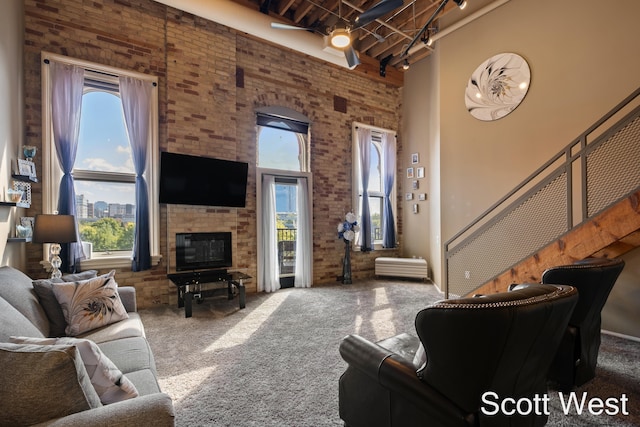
54	229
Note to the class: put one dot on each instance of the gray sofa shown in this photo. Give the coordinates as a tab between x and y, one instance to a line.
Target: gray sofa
22	314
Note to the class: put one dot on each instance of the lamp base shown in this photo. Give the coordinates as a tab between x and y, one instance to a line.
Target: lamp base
56	261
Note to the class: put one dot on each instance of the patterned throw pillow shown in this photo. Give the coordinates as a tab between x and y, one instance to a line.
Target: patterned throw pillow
107	380
44	290
90	304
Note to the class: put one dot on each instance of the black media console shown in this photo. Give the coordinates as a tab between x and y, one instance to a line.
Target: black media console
201	282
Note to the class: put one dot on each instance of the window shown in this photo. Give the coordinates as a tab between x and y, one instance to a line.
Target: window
104	176
103	171
382	158
376	196
282	143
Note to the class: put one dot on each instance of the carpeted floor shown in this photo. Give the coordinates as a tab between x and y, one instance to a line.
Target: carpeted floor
276	363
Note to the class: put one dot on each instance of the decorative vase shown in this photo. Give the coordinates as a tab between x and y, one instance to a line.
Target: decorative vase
346	263
29	152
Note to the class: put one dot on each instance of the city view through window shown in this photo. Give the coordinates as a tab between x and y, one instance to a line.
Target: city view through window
103	175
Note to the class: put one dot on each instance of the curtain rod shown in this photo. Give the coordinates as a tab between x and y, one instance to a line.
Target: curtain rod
374	128
96	67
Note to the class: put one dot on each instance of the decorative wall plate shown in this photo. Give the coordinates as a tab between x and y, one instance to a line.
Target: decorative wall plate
497	86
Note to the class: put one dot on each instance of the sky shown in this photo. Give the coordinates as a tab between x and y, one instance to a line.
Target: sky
105	146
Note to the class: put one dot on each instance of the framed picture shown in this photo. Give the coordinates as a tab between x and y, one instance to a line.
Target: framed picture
26	167
415	208
415	185
25	188
420	172
409	172
408	196
415	158
422	197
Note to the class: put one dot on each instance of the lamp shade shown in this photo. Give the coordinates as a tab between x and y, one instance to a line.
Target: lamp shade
54	229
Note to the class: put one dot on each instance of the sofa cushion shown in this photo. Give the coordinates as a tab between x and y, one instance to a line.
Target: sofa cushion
129	354
12	322
44	290
43	382
145	381
16	288
127	328
90	304
108	381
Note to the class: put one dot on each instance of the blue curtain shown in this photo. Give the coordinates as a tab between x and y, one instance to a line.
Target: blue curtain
364	150
67	84
136	98
388	174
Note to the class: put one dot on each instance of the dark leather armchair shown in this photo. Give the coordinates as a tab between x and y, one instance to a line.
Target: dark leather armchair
577	356
501	343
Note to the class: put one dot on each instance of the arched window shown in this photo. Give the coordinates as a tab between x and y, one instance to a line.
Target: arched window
381	174
282	142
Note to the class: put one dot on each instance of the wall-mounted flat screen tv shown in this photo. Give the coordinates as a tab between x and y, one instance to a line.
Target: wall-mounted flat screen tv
193	180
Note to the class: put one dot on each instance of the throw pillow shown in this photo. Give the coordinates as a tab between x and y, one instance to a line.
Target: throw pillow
41	383
107	380
83	275
90	304
44	290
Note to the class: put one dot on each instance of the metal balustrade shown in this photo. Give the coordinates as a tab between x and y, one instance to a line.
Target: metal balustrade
593	172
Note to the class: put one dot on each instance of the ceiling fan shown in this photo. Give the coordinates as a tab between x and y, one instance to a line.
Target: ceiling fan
340	34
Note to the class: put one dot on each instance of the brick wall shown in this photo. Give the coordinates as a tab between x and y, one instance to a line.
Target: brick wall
204	112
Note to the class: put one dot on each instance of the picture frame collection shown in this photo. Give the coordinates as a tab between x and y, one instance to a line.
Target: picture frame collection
415	173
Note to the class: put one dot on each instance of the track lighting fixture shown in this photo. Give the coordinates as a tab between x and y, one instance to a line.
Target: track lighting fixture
423	34
405	65
461	3
427	40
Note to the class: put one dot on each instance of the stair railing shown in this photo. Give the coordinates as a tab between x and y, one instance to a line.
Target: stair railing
596	170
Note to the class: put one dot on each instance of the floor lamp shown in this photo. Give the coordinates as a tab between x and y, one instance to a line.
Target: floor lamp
54	229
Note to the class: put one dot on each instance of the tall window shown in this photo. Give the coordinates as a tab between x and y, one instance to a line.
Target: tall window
380	190
104	175
104	171
376	196
285	248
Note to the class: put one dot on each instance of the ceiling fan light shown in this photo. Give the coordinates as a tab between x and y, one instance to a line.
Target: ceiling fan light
340	38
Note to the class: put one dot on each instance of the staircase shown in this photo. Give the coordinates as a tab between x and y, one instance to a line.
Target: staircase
585	201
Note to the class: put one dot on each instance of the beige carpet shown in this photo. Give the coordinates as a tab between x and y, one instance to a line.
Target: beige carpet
276	363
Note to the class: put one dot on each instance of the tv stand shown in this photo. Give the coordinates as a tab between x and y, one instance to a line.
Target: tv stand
196	284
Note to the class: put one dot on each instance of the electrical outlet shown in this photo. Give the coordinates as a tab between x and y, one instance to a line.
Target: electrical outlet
467	274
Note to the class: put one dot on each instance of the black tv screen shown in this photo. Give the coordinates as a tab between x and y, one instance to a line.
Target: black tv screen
193	180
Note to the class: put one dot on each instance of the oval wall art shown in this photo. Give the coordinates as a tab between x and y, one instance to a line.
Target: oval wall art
497	86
